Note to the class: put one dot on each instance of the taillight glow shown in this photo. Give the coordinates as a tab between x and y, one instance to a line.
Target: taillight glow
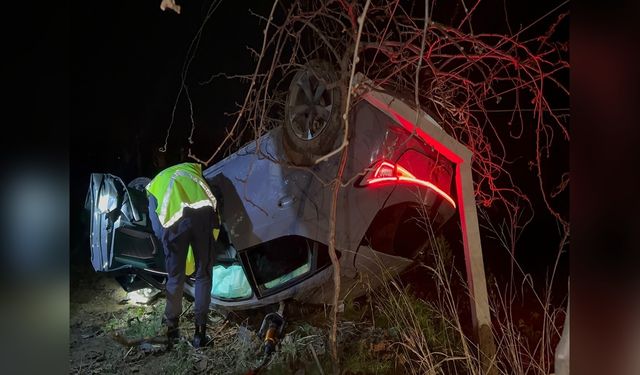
390	173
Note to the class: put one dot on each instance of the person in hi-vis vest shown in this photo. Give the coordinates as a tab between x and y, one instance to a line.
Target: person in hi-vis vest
183	214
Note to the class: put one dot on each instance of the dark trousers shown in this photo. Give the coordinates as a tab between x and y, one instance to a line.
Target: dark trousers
195	229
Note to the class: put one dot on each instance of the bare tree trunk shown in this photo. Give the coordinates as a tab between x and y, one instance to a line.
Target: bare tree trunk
334	261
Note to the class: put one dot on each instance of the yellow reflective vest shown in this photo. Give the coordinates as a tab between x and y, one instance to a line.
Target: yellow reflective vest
178	187
190	266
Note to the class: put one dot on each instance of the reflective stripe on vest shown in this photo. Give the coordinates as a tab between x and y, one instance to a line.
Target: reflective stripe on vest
177	213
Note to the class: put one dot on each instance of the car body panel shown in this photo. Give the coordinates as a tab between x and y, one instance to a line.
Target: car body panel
263	198
120	232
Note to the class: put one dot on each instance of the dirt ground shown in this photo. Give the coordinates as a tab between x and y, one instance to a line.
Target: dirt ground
96	302
107	334
110	334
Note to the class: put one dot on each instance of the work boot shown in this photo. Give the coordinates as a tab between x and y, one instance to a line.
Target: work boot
200	337
173	331
173	334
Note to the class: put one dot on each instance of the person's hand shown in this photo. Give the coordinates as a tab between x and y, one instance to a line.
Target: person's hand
170	4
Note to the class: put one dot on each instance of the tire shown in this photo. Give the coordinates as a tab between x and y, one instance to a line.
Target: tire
313	114
139	183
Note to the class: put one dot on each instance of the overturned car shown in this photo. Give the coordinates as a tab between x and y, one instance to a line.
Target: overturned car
275	203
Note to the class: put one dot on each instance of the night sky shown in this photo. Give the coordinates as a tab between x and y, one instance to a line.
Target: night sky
127	80
129	75
126	73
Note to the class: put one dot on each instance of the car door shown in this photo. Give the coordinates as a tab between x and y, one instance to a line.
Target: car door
120	232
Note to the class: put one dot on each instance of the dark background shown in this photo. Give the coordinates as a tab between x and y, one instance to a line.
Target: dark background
128	75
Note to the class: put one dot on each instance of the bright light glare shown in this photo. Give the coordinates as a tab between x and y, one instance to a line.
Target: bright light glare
387	172
143	295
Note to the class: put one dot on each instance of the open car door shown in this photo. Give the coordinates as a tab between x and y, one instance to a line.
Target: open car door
120	235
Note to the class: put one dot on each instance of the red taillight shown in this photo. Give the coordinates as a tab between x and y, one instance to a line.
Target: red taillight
387	172
384	171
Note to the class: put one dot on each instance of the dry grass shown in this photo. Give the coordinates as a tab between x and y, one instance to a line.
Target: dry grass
434	340
431	339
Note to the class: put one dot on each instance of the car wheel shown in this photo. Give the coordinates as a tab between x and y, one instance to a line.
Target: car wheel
139	183
313	111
